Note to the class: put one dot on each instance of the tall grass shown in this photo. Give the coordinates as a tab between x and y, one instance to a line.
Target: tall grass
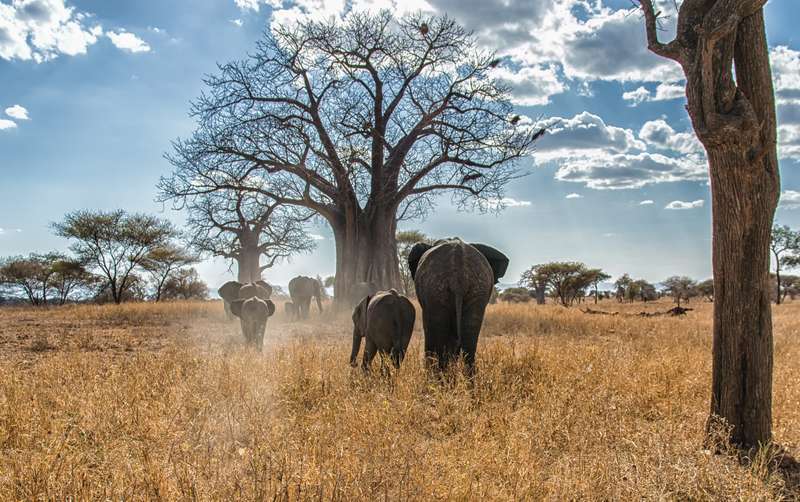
162	402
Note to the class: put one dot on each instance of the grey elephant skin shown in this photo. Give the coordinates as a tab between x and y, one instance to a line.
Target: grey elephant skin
454	282
386	321
302	289
253	313
231	291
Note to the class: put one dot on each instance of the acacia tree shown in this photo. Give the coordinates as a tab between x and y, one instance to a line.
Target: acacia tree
244	226
30	274
623	283
679	287
363	121
536	282
783	240
164	262
733	115
114	243
69	278
567	280
597	276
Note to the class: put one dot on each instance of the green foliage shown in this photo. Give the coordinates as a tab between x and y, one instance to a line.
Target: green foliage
566	281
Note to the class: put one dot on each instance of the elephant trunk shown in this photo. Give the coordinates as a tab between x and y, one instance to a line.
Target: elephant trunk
356	347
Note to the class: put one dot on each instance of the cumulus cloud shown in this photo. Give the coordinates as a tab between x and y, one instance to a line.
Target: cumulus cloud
789	141
530	85
664	92
662	136
785	64
621	171
237	22
41	30
127	41
574	196
7	124
646	202
585	131
790	199
679	204
316	237
17	112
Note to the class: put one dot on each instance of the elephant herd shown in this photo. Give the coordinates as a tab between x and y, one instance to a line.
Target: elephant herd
453	280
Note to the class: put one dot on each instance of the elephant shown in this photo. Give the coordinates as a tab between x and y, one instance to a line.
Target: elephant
291	310
231	291
301	290
454	282
360	290
386	320
253	313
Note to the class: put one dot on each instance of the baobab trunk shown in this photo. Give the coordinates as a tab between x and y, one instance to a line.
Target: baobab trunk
745	188
247	262
366	251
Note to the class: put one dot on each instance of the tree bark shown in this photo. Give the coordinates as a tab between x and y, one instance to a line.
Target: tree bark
366	251
248	264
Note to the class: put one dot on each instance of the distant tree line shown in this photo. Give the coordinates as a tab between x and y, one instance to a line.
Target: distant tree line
115	256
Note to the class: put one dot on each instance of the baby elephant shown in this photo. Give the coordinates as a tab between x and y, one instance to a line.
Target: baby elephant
386	320
290	309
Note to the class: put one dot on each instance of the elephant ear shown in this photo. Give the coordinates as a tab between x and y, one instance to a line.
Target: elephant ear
229	291
270	307
267	290
360	315
497	260
415	255
236	307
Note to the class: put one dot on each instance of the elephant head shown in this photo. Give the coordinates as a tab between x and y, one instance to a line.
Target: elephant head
497	260
255	290
253	313
266	286
359	327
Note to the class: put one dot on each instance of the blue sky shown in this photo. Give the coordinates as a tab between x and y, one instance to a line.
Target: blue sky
93	91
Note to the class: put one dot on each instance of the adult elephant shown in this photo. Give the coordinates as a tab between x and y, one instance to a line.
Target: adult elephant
253	312
302	289
454	282
231	291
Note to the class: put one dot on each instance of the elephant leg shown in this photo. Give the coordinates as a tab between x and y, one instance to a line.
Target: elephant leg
471	322
228	313
370	349
439	326
397	355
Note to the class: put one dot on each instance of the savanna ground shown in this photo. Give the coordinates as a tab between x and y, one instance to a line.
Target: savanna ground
146	401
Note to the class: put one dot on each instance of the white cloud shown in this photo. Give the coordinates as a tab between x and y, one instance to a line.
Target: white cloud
790	199
505	202
17	112
661	135
785	64
679	204
7	124
41	30
574	196
646	202
316	237
237	22
127	41
604	171
789	141
585	131
638	95
530	85
6	230
664	92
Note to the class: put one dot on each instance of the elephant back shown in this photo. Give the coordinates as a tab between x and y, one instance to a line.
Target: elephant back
452	266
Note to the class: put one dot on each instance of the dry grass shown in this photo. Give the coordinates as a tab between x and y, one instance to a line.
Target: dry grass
162	402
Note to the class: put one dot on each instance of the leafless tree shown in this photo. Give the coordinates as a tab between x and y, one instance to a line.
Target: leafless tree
733	115
244	226
362	121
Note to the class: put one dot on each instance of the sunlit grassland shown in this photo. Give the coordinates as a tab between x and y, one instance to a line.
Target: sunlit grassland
147	401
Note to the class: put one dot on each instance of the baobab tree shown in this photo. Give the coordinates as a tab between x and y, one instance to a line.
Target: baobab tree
244	226
733	115
363	121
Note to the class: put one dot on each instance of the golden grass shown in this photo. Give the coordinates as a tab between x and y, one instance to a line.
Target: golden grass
149	401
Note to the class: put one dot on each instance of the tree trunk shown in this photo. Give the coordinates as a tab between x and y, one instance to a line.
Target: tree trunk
366	251
778	279
247	264
745	187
